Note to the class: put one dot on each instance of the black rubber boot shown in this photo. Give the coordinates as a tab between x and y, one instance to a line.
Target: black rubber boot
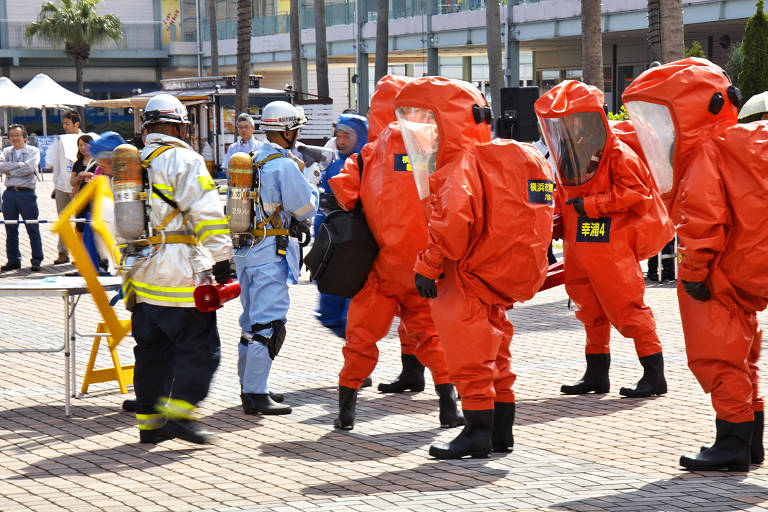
473	440
594	379
449	413
411	378
262	403
277	397
652	382
731	451
129	405
154	436
347	402
502	438
186	430
757	450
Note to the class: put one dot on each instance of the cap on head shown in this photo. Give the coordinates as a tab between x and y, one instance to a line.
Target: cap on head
105	144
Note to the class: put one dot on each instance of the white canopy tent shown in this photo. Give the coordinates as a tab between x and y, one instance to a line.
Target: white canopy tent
42	92
7	89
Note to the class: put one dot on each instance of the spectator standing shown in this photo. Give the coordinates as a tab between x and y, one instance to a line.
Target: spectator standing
18	164
247	142
62	156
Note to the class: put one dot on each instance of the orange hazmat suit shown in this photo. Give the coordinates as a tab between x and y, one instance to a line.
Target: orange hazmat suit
624	219
712	175
398	223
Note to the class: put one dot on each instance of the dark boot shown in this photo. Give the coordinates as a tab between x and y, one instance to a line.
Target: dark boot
594	379
731	451
503	420
184	429
262	403
347	401
129	405
473	440
277	397
652	382
757	450
449	413
154	436
411	378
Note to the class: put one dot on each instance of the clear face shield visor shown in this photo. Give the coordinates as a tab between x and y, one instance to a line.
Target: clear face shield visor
576	142
656	131
421	138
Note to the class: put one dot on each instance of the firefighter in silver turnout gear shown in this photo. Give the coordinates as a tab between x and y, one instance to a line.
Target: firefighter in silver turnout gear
186	243
267	259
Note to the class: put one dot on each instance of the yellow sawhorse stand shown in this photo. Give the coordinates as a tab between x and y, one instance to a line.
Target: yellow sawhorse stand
122	374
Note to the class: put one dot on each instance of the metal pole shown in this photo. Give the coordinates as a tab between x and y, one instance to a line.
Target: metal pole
199	40
67	350
433	58
362	61
45	124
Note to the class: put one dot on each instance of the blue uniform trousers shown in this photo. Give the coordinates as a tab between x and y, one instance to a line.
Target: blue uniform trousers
265	298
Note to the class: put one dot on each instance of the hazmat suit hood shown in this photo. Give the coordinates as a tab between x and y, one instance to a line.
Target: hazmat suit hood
360	126
440	119
575	128
382	112
674	107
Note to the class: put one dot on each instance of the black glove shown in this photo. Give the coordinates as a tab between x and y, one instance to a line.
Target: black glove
578	205
696	289
222	271
328	203
426	287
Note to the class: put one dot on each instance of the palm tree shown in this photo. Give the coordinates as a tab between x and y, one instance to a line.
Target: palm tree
214	31
243	54
493	45
654	30
382	40
321	50
295	30
592	43
76	24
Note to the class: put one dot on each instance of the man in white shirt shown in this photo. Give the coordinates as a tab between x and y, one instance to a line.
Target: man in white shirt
247	142
61	156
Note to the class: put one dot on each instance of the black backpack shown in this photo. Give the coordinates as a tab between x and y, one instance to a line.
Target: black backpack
344	251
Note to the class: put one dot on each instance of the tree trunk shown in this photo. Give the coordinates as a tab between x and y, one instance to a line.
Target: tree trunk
672	44
295	46
493	31
321	51
382	40
592	43
80	88
654	30
243	54
214	30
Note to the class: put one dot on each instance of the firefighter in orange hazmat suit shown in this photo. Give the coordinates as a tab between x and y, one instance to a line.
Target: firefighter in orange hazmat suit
617	219
469	249
711	173
396	219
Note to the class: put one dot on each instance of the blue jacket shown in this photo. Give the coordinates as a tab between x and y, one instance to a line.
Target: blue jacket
281	184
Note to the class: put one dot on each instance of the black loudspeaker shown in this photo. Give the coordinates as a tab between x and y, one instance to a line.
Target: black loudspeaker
517	118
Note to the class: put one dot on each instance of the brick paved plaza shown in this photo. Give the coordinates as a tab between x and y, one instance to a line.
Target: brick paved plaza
594	452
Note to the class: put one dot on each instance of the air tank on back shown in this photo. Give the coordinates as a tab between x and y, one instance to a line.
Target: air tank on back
239	200
127	187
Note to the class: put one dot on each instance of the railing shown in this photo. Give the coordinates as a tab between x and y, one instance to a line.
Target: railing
137	36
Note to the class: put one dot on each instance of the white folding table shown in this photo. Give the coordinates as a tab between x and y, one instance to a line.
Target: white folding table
69	289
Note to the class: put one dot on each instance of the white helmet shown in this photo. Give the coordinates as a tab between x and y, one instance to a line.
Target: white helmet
279	116
165	108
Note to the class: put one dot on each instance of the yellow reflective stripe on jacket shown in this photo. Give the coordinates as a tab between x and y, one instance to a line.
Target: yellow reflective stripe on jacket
206	228
175	409
162	293
206	182
165	189
150	421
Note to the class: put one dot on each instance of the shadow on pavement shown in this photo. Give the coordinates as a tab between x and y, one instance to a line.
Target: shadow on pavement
350	446
433	476
531	412
127	457
689	492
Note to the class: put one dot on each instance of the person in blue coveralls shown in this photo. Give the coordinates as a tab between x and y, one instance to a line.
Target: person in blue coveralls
351	136
265	268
